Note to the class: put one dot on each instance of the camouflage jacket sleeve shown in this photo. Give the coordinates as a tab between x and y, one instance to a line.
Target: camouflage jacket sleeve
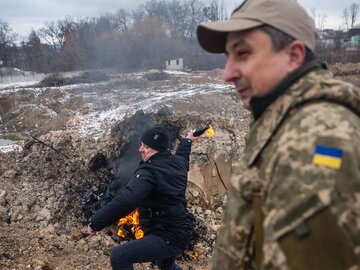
313	190
298	188
235	237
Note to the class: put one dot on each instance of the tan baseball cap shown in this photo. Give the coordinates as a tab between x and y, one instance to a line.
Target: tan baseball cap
285	15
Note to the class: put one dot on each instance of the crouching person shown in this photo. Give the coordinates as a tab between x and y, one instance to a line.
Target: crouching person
157	190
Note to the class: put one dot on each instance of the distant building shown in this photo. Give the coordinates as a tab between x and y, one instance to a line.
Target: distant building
353	32
352	49
354	37
355	40
329	39
175	64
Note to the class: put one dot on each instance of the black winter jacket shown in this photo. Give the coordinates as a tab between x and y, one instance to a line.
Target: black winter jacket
157	190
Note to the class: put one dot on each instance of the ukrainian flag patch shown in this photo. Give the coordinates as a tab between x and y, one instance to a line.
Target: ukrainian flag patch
327	156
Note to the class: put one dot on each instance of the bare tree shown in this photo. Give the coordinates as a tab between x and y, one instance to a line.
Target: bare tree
194	16
177	14
319	19
122	19
7	39
55	33
350	15
52	34
345	17
67	26
222	11
160	30
106	24
215	10
353	10
181	17
148	42
37	55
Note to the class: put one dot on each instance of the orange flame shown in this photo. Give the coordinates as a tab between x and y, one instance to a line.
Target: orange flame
193	255
132	220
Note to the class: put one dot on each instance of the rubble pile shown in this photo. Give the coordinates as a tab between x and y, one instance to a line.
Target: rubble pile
63	168
44	181
345	69
47	186
58	79
82	138
157	76
348	72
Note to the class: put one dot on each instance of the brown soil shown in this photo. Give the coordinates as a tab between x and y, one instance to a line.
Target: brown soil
41	220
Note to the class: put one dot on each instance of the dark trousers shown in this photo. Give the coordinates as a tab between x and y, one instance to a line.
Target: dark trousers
151	248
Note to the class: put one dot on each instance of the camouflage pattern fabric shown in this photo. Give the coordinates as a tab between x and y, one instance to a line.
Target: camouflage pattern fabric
309	204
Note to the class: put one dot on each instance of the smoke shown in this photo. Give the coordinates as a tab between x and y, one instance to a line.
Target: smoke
124	162
129	133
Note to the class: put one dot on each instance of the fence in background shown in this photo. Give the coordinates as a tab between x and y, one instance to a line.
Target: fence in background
13	75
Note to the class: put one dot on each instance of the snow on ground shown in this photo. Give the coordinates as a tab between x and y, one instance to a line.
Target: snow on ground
13	86
96	123
14	147
21	78
110	101
177	72
9	146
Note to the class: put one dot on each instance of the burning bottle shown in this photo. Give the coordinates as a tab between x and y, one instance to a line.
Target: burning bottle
208	129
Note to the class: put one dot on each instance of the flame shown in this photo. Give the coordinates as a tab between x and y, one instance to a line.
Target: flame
210	131
193	255
132	220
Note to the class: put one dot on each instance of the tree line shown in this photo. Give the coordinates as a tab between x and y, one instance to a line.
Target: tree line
146	37
335	45
154	32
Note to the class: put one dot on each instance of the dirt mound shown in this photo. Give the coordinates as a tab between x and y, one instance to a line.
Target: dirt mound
47	187
57	79
157	76
346	69
349	72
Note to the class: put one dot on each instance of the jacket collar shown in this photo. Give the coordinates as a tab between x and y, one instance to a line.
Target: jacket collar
270	110
259	104
158	154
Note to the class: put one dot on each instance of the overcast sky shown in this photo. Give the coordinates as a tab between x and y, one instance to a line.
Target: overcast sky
25	15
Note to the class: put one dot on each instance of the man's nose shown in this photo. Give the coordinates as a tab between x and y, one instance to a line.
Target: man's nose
231	73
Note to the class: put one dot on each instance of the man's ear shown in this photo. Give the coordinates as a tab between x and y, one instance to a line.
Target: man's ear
297	52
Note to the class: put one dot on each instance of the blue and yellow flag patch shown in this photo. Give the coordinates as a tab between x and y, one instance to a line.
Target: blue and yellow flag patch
327	156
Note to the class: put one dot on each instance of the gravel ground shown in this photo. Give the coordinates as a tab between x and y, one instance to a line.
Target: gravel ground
45	187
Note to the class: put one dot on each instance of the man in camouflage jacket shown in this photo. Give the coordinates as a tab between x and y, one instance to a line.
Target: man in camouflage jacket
300	175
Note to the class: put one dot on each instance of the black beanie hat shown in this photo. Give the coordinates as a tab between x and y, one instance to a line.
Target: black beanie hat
157	138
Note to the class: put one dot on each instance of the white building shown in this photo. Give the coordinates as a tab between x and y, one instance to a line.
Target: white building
175	64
